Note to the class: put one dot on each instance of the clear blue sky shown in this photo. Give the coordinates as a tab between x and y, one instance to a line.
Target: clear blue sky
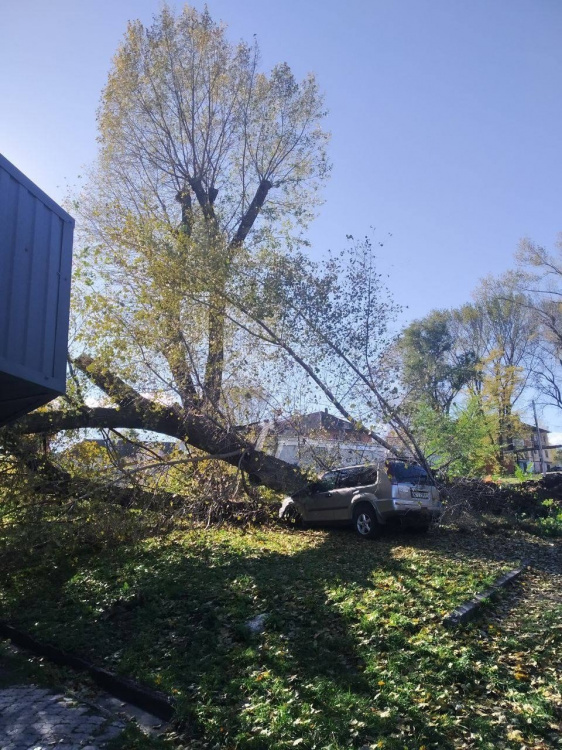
446	117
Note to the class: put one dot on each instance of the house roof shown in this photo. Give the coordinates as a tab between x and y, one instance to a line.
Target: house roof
534	429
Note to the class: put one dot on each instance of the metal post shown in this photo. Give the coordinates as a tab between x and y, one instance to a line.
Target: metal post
541	455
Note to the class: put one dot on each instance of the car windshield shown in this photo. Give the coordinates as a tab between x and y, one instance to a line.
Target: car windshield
404	473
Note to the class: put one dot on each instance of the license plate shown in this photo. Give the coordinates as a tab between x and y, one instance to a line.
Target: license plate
420	494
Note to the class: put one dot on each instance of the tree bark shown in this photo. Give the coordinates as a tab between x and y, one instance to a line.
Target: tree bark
215	356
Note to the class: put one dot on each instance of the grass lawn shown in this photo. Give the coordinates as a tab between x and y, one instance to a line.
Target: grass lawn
353	652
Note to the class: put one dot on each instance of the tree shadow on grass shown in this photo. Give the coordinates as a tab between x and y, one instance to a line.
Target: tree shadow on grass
339	611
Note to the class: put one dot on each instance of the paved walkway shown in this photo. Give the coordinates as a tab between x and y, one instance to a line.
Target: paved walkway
33	718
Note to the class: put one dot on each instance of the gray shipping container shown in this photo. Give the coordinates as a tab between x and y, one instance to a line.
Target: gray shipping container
35	270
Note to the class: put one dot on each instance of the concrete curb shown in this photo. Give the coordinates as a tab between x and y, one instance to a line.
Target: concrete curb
470	609
153	701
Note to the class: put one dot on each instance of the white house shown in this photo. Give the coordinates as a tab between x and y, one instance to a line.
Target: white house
320	441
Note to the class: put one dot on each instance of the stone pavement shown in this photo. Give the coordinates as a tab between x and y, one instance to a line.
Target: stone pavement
32	718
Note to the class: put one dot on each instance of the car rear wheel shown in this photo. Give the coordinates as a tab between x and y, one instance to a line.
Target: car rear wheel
365	522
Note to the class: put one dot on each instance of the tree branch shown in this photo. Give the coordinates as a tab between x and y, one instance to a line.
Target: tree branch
247	221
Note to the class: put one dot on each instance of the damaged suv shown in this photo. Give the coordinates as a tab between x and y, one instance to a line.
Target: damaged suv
368	497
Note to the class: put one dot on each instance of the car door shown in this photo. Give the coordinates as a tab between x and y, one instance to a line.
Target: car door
329	502
366	480
365	486
335	504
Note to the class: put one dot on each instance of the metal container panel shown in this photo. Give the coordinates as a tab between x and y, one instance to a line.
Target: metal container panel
35	272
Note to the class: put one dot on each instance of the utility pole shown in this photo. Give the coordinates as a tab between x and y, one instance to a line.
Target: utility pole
541	454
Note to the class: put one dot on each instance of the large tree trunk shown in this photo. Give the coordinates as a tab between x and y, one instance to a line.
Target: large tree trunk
217	307
194	427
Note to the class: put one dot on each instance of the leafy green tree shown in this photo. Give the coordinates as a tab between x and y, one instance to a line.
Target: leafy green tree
485	352
433	367
503	331
461	442
203	160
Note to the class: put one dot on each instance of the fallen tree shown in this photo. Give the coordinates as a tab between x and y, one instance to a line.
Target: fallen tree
134	411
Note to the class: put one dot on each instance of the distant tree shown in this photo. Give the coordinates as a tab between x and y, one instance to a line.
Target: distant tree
482	354
501	330
434	369
539	277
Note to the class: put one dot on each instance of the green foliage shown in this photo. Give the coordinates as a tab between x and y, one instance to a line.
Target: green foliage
523	474
484	352
459	443
550	525
192	283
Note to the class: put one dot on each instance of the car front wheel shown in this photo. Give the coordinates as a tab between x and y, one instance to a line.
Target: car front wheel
365	522
292	516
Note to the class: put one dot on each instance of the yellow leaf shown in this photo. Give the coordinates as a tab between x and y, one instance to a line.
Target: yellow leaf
515	734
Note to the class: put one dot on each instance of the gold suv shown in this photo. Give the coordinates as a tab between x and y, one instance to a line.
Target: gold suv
369	497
